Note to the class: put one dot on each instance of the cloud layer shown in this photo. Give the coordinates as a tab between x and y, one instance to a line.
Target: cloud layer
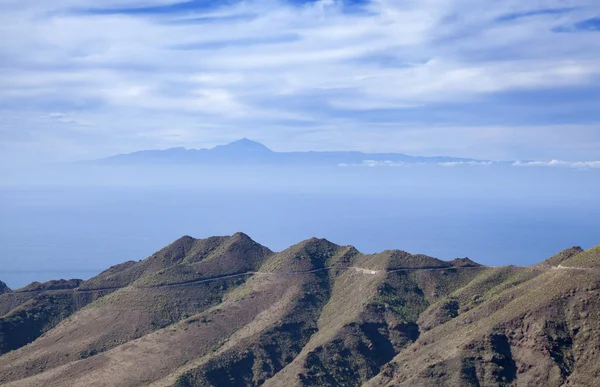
552	163
484	79
559	163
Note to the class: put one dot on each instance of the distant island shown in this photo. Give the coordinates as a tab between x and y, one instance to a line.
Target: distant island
246	151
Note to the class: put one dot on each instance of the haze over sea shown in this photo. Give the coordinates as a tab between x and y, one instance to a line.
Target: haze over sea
484	80
75	222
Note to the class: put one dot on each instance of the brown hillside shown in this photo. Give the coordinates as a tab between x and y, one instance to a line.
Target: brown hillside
312	254
27	313
561	257
225	311
145	304
586	259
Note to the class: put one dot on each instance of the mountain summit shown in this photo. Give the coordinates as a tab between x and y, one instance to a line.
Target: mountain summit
243	145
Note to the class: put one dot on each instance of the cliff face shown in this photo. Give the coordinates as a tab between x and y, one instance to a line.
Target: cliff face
226	311
533	327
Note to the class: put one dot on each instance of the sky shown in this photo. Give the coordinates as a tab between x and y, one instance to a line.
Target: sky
501	80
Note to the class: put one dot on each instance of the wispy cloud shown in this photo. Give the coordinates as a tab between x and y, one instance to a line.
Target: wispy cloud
534	13
552	163
389	163
382	71
559	163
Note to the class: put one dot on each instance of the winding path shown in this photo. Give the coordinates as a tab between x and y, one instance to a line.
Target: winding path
251	273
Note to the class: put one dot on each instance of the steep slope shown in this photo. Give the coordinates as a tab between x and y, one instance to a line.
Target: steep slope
132	302
371	316
182	252
512	326
255	359
226	311
26	313
270	313
29	312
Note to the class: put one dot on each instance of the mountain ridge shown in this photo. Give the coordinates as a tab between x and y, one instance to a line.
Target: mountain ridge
227	311
249	151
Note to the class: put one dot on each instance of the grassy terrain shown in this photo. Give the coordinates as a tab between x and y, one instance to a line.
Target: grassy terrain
585	259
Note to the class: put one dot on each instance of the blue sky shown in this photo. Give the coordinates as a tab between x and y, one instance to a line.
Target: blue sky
488	79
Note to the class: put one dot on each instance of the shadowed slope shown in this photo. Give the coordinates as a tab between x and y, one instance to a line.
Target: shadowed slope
225	311
171	348
512	325
131	311
27	313
246	312
371	316
257	358
4	288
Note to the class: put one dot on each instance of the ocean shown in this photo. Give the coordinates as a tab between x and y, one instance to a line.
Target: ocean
495	217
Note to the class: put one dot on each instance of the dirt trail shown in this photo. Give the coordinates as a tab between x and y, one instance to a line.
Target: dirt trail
250	273
561	267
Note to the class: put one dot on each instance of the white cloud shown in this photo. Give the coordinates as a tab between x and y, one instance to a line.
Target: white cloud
552	163
268	68
388	163
558	163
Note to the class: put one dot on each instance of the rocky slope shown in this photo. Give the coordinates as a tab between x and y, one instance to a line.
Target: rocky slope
226	311
4	288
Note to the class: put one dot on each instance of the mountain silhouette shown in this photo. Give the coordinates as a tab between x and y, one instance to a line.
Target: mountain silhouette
246	151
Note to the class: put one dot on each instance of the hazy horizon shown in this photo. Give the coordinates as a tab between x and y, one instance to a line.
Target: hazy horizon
506	81
77	222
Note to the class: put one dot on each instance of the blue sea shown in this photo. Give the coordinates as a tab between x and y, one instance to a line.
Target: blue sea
76	227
